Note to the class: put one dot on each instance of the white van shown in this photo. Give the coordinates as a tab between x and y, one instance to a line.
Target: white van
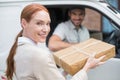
96	12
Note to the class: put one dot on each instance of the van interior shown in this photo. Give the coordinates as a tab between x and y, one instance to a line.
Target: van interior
94	21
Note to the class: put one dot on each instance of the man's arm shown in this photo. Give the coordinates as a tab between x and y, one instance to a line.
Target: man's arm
55	43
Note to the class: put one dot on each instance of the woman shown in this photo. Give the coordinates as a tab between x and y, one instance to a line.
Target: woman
27	60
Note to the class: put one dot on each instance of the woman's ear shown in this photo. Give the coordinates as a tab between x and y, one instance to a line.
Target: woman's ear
23	23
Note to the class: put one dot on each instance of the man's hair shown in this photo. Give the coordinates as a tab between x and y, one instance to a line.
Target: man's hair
81	8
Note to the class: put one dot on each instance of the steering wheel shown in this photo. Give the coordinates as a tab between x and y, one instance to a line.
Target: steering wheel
112	38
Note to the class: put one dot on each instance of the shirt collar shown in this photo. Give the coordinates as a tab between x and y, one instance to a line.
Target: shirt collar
71	24
22	40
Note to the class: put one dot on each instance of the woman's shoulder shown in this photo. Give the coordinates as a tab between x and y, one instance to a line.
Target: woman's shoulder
31	52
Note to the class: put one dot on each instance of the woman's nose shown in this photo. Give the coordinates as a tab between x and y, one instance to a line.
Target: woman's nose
46	28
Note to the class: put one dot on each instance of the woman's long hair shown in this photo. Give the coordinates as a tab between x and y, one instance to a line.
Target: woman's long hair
10	59
27	13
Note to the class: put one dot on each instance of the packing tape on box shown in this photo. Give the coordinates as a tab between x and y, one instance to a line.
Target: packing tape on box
79	50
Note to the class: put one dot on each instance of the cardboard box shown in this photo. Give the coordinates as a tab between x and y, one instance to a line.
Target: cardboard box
73	58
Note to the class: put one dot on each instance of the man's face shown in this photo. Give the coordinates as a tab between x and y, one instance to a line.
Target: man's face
77	16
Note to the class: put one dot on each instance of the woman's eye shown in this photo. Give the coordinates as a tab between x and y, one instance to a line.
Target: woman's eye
48	24
39	23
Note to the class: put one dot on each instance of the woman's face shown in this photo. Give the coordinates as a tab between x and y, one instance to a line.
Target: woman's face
38	27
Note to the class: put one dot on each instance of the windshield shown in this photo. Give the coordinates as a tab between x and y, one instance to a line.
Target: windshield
113	5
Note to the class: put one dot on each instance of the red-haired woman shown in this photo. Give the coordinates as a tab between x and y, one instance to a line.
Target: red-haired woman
29	62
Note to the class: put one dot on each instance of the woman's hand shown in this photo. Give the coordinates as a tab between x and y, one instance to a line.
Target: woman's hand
92	62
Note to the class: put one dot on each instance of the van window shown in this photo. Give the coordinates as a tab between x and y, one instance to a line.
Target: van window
96	22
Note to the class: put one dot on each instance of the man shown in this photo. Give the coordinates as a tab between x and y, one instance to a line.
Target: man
70	32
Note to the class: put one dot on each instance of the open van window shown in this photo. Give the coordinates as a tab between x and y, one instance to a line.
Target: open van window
93	19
